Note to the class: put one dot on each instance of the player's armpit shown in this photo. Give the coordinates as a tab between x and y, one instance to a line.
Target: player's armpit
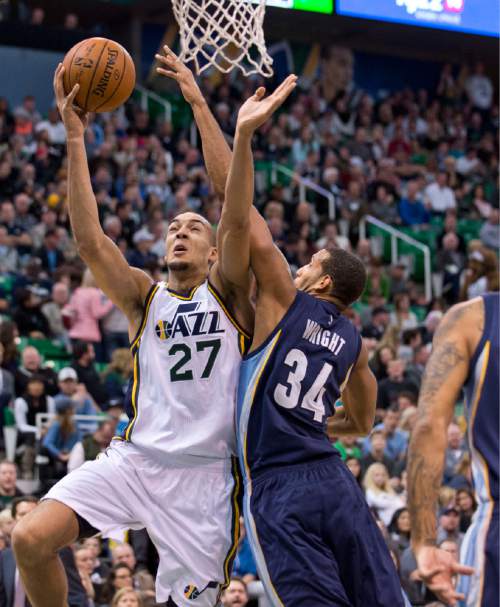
445	373
126	287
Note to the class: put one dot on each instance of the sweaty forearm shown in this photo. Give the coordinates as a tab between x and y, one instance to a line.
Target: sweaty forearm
216	150
82	204
425	473
239	186
342	424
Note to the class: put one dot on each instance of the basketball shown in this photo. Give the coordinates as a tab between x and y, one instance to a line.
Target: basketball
105	72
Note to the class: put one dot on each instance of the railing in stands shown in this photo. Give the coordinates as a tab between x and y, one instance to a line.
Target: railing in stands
396	235
146	95
304	185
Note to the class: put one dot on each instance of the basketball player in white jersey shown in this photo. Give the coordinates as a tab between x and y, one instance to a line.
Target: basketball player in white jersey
172	471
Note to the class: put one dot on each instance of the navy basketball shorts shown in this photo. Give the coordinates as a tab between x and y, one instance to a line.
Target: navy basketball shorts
315	540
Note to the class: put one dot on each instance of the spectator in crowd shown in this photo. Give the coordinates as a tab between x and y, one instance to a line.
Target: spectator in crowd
12	592
71	21
127	598
376	453
53	312
411	208
120	576
348	447
439	196
31	364
396	439
142	580
37	16
6	524
49	254
62	435
84	355
354	465
141	257
378	325
399	530
490	231
53	127
394	384
455	451
26	407
244	563
91	445
85	564
7	391
479	88
379	494
380	361
87	306
28	314
8	483
236	594
415	369
115	331
466	505
81	399
402	316
449	525
450	263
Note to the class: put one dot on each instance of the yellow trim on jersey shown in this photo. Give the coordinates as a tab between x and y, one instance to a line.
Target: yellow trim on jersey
135	389
271	347
147	305
481	461
188	298
231	318
236	520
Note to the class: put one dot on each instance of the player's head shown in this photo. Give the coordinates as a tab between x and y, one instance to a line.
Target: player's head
190	244
333	273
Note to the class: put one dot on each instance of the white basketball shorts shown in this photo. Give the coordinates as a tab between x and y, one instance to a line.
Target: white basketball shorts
189	508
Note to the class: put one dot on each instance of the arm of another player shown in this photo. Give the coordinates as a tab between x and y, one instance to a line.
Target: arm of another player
445	373
359	398
127	287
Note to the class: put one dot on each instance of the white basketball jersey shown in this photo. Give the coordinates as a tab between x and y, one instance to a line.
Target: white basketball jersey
187	357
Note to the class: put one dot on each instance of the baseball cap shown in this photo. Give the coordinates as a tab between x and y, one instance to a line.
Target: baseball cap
143	235
67	373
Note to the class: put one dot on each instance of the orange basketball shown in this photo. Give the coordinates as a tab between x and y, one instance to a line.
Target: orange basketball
105	72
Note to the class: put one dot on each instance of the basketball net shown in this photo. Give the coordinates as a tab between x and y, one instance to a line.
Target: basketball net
224	34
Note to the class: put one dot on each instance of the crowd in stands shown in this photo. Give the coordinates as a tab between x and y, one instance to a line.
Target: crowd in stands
425	161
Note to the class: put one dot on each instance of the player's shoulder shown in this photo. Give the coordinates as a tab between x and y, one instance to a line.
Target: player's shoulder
463	322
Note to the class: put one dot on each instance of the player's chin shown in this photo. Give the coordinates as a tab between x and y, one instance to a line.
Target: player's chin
178	265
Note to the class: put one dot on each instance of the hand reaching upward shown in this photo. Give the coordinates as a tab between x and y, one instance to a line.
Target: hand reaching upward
175	69
257	109
75	120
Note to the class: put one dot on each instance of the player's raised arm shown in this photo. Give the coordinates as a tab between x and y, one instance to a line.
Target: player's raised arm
445	373
359	396
127	287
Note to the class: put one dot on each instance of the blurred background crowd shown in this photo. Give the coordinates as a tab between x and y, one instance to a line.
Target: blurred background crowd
422	161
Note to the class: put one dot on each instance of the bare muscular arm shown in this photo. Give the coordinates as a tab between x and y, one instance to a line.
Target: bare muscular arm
127	287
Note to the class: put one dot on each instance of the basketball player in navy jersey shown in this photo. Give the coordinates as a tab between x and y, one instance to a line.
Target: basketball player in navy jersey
465	355
314	538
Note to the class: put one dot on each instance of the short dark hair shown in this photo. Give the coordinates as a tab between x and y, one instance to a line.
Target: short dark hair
348	275
19	500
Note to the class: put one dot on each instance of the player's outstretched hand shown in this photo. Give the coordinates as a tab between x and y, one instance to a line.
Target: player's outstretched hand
172	67
75	120
437	568
257	109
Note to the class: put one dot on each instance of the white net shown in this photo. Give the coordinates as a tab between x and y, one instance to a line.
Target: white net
224	34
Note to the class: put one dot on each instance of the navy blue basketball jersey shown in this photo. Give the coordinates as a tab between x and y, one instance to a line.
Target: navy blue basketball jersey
289	385
480	547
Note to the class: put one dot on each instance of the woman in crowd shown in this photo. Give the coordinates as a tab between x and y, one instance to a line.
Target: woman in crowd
466	504
378	364
9	335
62	435
86	307
399	529
84	561
354	466
379	494
120	577
403	317
126	597
26	407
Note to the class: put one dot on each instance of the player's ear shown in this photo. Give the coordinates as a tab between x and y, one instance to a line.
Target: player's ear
212	255
325	283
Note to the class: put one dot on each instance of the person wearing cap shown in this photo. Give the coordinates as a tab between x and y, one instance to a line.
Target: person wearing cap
449	526
378	324
82	401
141	255
62	434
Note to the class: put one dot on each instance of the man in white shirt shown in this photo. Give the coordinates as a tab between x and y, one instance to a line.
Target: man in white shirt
479	88
438	196
54	127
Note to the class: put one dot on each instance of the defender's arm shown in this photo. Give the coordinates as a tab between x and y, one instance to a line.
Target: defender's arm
125	286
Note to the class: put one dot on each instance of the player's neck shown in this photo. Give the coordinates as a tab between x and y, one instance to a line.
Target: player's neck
330	299
185	280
